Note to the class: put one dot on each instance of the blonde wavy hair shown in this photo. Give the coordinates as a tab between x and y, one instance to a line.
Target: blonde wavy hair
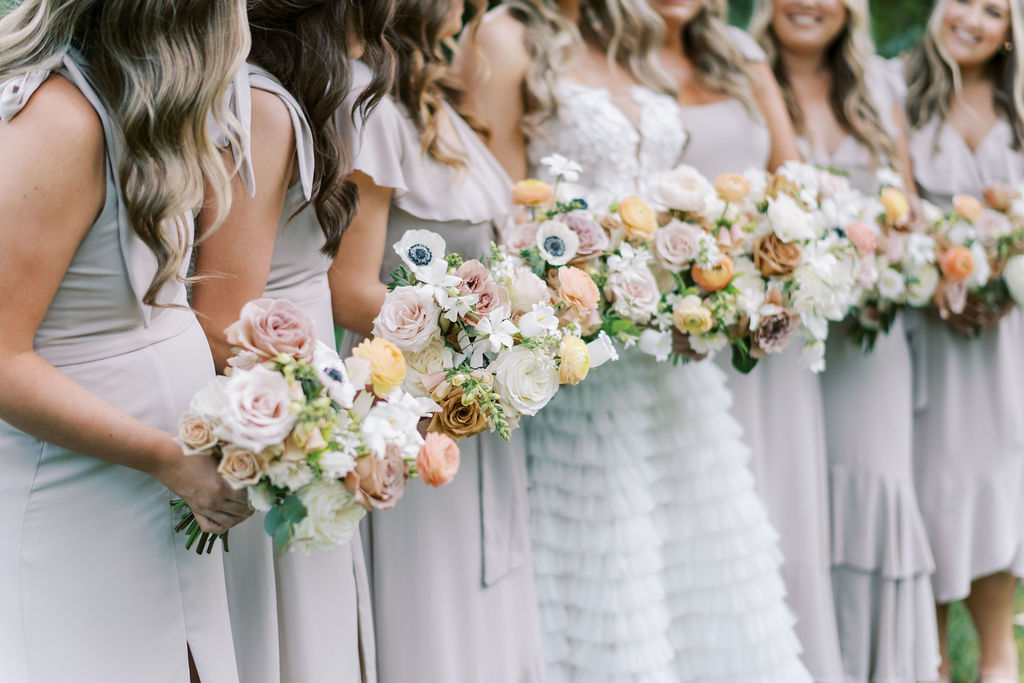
160	67
933	78
848	58
424	80
629	31
719	65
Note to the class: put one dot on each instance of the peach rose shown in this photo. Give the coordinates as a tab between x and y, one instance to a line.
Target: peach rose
378	483
438	460
862	237
1000	196
196	434
968	207
957	264
714	278
532	192
732	187
896	206
577	289
387	364
269	327
457	419
593	239
775	258
476	279
638	218
241	467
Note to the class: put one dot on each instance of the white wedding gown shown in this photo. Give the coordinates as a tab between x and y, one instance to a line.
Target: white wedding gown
654	559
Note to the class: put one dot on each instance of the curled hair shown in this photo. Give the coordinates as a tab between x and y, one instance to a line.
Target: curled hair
630	33
933	77
160	67
306	44
847	59
424	81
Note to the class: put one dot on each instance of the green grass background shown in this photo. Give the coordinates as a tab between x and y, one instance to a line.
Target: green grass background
898	25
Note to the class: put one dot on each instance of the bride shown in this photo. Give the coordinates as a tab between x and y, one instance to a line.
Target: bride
653	556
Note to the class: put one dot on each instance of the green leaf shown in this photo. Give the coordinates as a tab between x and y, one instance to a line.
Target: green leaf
742	360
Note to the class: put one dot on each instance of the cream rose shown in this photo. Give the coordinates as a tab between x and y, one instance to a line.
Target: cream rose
332	516
196	433
241	467
525	289
437	463
1013	275
921	283
789	221
684	189
408	318
269	327
635	293
525	379
257	409
435	357
676	245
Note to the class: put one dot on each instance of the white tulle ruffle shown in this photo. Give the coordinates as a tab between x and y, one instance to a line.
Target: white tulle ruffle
654	558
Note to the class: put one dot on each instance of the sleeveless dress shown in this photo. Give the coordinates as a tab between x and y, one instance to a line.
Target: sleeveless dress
779	406
881	561
95	586
297	617
968	431
453	590
654	558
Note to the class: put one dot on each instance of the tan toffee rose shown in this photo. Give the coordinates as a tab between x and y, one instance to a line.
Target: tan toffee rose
457	420
775	258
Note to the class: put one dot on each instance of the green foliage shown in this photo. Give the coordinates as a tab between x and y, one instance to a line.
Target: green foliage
963	641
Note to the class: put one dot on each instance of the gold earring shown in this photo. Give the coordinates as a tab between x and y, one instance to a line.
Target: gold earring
1008	46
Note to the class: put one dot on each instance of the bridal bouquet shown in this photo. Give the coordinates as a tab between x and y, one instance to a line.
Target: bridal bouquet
315	440
483	338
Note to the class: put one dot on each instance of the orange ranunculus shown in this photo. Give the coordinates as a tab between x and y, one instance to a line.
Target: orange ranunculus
715	278
957	264
968	207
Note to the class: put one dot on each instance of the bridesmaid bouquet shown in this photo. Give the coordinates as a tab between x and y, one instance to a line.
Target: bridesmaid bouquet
482	338
315	440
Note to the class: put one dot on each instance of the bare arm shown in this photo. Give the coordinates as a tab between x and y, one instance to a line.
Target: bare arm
356	290
237	257
773	108
493	68
52	188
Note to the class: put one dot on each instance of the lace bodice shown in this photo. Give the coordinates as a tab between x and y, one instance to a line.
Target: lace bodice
618	156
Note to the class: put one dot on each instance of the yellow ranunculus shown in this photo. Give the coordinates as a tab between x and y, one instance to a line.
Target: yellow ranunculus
692	317
531	192
638	218
575	360
896	206
387	364
968	207
732	187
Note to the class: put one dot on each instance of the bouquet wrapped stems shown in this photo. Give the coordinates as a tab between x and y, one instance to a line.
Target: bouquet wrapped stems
190	527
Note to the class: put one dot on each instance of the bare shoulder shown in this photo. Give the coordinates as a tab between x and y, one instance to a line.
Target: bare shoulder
503	38
270	115
57	114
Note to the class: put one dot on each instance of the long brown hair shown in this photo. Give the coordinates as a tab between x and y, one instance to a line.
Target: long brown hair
424	80
306	45
847	58
160	67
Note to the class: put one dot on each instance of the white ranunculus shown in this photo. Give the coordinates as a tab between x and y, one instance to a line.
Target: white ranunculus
209	401
525	379
261	498
706	344
920	249
408	318
656	343
290	475
332	516
982	269
526	289
257	409
921	283
1013	274
891	285
435	357
601	350
684	189
421	250
789	221
557	242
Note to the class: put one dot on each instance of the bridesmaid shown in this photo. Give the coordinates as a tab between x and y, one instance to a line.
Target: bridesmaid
724	86
295	617
847	108
452	574
965	104
105	156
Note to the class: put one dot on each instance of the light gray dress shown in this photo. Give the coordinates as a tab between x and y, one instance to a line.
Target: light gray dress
881	562
298	617
453	590
779	406
968	428
95	586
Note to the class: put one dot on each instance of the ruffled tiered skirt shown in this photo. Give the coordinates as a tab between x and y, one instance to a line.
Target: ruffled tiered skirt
654	559
881	561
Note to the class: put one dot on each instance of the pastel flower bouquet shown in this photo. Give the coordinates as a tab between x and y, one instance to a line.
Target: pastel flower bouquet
315	440
481	337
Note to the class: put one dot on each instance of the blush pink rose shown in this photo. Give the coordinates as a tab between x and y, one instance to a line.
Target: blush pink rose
634	293
378	483
578	289
593	238
438	459
476	279
257	409
676	245
269	327
408	318
991	225
519	237
862	237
